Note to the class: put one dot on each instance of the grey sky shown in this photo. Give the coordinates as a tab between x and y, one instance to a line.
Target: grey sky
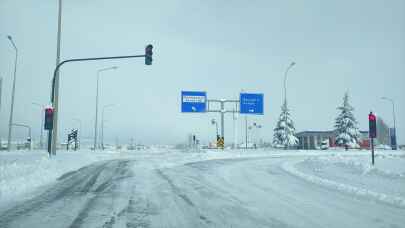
217	46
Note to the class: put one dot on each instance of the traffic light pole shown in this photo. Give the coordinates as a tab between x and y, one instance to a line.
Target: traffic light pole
55	97
372	151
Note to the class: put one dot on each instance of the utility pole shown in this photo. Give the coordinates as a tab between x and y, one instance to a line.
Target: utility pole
1	86
53	134
10	122
223	119
246	138
102	124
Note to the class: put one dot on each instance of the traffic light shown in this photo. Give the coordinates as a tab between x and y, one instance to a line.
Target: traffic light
48	125
148	54
372	125
74	133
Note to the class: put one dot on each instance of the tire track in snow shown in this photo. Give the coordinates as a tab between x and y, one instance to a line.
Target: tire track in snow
57	192
177	191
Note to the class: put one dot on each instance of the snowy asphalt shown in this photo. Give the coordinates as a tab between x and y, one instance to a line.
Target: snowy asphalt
239	192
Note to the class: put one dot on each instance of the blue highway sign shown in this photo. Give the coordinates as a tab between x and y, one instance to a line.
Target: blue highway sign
193	101
251	103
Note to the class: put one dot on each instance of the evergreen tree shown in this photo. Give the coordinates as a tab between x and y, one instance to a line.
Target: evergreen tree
284	133
346	129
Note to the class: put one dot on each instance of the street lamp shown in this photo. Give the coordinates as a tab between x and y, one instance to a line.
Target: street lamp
10	122
393	116
1	86
52	141
96	121
213	121
285	80
285	98
102	124
42	124
80	129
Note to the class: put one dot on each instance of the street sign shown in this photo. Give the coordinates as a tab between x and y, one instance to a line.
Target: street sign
251	103
193	101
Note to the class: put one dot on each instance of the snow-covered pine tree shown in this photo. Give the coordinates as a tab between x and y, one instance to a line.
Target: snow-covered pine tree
347	131
284	133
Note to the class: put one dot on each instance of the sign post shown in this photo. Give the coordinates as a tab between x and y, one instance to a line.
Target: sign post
250	103
197	102
372	125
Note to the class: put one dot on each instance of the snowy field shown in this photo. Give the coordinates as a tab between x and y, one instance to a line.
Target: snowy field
231	188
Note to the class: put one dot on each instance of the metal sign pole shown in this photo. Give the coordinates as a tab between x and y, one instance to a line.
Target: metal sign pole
222	120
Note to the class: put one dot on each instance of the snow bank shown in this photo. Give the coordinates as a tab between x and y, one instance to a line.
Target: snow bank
290	167
23	171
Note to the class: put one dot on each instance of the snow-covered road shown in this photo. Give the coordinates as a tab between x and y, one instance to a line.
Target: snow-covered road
233	192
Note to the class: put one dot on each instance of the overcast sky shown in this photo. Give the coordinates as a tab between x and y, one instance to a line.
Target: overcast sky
220	47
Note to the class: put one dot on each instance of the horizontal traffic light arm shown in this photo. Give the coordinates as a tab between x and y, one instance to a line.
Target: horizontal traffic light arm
86	59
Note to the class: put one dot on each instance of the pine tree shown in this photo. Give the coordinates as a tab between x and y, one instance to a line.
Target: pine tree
346	129
284	133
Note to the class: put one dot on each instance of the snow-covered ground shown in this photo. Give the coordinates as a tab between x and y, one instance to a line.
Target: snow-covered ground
214	188
21	172
385	181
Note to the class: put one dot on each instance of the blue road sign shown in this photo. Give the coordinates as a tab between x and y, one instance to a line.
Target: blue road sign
193	101
251	103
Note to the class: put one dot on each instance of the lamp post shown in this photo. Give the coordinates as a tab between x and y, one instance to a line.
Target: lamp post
213	121
285	80
285	97
52	142
80	129
96	121
393	116
1	86
42	124
10	122
102	124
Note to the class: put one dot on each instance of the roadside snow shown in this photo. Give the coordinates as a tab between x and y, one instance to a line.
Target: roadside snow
384	182
23	171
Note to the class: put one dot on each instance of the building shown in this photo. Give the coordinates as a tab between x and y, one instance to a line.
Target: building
311	140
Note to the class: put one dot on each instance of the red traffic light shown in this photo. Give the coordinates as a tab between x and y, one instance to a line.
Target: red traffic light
48	123
372	125
371	117
49	110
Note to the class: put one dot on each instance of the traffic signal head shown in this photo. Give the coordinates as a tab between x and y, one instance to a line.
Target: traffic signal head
48	125
148	54
74	132
372	124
